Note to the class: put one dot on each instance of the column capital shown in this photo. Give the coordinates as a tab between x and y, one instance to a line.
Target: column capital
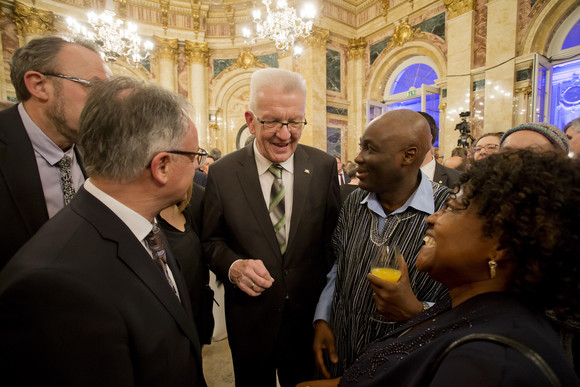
356	49
166	48
458	7
318	37
30	20
196	52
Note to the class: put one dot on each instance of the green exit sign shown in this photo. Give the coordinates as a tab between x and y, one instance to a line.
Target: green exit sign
411	93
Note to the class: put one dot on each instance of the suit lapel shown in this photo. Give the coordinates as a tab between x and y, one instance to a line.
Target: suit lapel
250	183
133	254
18	166
302	178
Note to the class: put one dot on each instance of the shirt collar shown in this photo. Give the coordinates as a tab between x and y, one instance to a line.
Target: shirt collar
429	169
421	200
263	163
41	143
138	225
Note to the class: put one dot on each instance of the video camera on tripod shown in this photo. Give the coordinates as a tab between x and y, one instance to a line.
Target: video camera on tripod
465	138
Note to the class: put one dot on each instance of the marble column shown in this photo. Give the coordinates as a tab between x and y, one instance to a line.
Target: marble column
32	22
460	35
165	53
502	20
197	54
356	97
313	69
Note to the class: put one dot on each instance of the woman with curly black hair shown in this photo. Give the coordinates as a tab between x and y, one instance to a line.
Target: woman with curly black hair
506	248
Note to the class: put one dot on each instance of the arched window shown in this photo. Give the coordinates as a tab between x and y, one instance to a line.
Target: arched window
403	89
564	53
414	76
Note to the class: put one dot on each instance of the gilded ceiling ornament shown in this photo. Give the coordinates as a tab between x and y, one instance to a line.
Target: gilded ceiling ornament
385	6
122	9
30	20
196	14
458	7
166	48
231	15
245	61
196	52
404	33
318	37
164	14
356	48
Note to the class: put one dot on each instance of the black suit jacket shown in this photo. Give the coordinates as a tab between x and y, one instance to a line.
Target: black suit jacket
83	304
237	226
22	202
446	176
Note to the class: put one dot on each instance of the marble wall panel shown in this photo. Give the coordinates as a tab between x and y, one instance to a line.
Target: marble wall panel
434	25
376	49
269	59
522	75
220	65
10	43
333	70
333	141
480	34
337	110
182	78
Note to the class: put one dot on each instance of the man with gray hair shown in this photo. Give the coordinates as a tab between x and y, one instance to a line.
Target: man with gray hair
572	130
269	212
40	166
94	298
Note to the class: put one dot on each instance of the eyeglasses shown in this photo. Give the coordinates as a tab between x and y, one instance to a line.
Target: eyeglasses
293	126
488	147
200	155
82	81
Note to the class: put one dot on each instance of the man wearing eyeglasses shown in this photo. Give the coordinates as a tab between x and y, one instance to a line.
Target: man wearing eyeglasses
269	212
40	166
96	297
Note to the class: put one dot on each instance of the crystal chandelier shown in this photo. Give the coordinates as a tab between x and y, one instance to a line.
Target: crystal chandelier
115	37
282	26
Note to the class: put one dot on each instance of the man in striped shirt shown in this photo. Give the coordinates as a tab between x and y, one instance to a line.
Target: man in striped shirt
390	208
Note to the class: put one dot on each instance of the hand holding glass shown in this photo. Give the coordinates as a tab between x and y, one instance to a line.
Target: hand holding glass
385	263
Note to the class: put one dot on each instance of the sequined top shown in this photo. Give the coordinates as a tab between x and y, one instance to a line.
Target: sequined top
403	357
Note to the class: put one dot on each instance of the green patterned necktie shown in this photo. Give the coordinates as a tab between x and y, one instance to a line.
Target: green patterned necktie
276	207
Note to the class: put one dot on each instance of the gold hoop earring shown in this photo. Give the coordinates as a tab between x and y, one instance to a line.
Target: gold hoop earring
492	265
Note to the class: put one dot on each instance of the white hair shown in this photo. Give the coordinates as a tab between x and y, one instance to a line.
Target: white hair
288	81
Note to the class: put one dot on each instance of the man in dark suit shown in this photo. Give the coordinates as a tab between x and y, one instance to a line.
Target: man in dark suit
273	274
90	300
51	78
435	171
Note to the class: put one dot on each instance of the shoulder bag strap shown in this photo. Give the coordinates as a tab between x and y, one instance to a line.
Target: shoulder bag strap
527	352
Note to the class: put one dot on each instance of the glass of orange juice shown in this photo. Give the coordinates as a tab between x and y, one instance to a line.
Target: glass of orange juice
385	266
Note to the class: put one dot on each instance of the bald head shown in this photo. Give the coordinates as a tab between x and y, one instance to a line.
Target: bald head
409	128
393	147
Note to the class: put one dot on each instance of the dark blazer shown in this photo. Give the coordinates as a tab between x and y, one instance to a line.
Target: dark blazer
446	176
237	226
83	304
22	202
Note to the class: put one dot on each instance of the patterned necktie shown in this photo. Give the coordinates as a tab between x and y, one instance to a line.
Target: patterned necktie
276	207
66	183
155	244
